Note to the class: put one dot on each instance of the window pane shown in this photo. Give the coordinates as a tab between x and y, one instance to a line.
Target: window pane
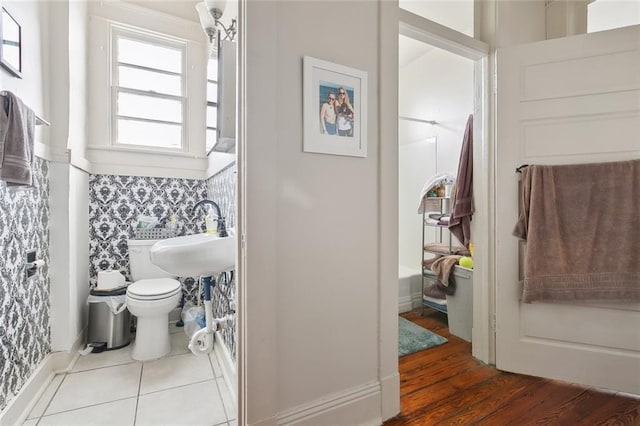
212	92
149	55
132	132
211	138
212	69
150	107
149	80
609	14
212	116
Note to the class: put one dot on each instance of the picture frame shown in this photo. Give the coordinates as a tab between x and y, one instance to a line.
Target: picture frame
10	44
334	108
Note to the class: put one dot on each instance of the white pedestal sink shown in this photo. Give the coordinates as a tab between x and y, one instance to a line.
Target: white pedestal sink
196	255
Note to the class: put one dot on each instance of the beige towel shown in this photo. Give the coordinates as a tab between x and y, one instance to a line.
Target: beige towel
582	226
17	124
441	248
443	267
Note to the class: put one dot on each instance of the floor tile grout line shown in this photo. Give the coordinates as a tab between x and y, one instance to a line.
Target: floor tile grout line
133	361
88	406
104	366
224	408
135	412
177	387
212	367
52	396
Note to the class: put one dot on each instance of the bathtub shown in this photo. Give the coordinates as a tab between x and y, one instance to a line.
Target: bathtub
409	288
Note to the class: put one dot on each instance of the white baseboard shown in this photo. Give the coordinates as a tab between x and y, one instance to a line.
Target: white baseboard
20	406
416	300
390	391
355	406
229	371
405	304
408	303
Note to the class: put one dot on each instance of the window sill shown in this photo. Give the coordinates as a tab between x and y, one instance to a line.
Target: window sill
137	150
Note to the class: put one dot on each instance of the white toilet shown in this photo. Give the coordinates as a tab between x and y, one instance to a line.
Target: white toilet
150	298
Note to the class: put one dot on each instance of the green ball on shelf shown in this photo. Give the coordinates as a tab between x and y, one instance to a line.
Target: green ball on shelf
466	262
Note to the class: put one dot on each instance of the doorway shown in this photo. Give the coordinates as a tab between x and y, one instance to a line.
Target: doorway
439	87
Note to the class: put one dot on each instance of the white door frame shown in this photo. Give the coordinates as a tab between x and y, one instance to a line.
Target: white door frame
427	31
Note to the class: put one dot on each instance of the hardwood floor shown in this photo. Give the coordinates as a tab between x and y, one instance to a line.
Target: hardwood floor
445	385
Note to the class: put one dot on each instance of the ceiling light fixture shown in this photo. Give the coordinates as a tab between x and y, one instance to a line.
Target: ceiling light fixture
210	12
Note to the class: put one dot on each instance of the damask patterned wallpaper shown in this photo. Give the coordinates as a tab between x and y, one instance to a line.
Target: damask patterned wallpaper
115	202
221	188
25	337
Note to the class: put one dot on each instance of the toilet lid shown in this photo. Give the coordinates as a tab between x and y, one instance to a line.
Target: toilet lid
156	287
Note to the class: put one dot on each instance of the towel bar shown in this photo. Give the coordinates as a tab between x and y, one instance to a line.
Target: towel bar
39	120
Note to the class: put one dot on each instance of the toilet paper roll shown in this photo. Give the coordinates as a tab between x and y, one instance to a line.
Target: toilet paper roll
36	264
109	279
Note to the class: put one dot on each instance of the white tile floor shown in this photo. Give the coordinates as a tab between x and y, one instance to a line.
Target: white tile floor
110	388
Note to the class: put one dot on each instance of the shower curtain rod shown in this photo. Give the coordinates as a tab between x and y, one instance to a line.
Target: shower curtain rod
432	122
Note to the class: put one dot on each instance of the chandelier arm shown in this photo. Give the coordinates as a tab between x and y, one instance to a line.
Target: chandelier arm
229	32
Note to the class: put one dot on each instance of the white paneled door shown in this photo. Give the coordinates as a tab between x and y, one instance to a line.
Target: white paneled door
569	100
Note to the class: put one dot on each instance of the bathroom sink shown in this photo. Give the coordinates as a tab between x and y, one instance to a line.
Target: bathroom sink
195	255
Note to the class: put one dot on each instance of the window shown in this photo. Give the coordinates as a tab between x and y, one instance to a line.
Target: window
212	103
605	15
148	91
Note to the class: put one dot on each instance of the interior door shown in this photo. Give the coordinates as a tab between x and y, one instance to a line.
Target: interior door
569	100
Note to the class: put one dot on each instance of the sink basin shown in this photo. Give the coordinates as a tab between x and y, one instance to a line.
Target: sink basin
195	255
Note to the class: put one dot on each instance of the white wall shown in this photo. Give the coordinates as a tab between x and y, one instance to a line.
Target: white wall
417	164
31	88
78	247
69	206
437	86
62	311
78	91
607	14
69	186
107	159
312	304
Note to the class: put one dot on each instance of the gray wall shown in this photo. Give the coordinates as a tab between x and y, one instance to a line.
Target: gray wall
313	288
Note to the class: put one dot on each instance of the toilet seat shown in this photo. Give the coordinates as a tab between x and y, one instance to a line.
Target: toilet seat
154	289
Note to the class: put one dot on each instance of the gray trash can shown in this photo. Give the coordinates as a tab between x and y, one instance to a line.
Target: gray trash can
109	320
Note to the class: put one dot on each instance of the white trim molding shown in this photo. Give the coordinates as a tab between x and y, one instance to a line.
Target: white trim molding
45	152
359	405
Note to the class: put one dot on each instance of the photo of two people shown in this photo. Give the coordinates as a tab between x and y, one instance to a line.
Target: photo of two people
336	109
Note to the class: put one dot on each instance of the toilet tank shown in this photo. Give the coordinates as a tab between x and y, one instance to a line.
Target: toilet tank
140	263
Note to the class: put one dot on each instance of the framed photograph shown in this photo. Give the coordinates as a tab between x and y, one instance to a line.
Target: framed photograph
11	45
334	108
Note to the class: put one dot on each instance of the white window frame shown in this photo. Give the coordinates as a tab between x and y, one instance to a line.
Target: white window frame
117	32
213	104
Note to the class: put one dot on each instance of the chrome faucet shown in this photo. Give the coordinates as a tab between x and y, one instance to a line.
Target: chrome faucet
222	226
